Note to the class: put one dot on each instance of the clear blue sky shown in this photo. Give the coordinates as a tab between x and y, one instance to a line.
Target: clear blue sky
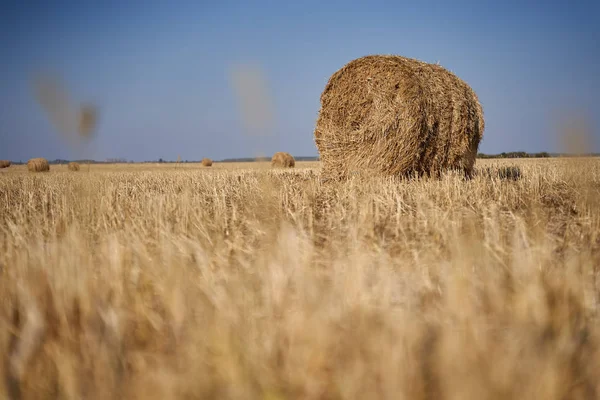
159	72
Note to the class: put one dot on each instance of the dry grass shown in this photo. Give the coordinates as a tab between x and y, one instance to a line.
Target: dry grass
266	284
397	116
38	165
88	119
282	159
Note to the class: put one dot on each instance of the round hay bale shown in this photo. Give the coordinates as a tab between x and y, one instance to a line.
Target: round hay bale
73	166
38	165
207	162
283	160
397	116
4	163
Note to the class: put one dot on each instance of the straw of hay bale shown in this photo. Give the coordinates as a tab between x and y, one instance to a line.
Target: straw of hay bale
207	162
38	165
73	166
4	163
283	159
397	116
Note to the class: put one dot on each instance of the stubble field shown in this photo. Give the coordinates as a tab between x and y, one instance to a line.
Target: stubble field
154	281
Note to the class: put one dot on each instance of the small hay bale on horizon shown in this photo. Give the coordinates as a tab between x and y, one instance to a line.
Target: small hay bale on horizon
207	162
397	116
38	165
282	159
73	166
5	163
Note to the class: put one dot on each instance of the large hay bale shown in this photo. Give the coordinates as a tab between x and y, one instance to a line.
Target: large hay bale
4	163
38	165
397	116
73	166
283	160
207	162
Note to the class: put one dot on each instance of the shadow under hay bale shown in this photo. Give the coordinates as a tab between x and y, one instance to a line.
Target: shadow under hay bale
510	173
397	116
207	162
38	165
282	159
4	163
73	166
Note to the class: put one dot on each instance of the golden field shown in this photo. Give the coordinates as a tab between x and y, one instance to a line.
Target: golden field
164	281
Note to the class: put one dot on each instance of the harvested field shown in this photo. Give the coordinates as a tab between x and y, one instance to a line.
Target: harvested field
160	281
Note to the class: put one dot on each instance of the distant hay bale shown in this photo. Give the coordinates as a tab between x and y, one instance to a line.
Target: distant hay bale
4	163
207	162
73	166
397	116
283	160
38	165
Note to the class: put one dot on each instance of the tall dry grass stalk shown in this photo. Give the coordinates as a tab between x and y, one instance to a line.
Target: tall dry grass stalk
245	284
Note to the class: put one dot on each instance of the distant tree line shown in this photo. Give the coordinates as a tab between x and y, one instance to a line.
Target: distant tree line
516	154
543	154
512	154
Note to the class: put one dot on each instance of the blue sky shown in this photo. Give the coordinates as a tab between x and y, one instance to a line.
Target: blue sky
159	72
